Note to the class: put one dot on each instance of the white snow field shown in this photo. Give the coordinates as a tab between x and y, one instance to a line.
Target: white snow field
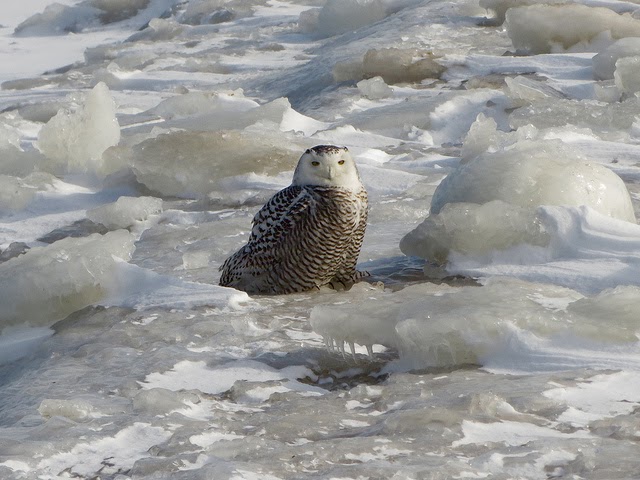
498	334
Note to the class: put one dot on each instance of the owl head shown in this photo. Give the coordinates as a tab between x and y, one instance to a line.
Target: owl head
327	166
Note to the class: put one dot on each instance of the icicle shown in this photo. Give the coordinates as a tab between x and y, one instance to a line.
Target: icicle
341	347
370	351
352	347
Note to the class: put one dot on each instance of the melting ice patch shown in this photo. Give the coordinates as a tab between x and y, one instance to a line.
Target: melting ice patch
188	375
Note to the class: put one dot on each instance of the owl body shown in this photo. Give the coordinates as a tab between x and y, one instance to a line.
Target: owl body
308	234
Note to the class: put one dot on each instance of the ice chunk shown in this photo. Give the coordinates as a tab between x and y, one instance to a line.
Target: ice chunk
58	19
204	112
76	140
548	28
473	229
191	164
222	105
433	325
15	194
117	10
374	88
13	159
48	283
627	75
500	7
489	202
73	409
604	63
523	90
201	12
160	401
125	212
159	29
397	65
341	16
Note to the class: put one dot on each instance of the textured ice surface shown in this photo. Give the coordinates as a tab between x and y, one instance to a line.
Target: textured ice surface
517	362
76	139
545	28
125	212
48	283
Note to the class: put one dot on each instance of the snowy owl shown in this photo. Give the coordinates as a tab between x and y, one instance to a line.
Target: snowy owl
308	234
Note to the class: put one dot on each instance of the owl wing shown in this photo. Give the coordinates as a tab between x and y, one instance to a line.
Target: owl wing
280	214
267	247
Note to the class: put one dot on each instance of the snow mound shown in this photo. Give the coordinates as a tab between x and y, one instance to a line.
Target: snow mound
48	283
75	139
490	201
556	28
125	212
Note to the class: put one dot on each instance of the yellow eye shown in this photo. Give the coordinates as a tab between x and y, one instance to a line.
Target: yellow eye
315	163
341	162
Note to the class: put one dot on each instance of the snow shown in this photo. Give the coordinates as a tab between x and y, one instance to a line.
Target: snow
497	334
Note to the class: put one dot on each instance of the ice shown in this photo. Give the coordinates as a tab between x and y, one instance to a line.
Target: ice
597	399
500	7
15	193
527	175
340	16
48	283
374	88
191	164
58	19
490	201
608	121
604	63
75	140
473	229
125	212
393	65
397	65
511	353
195	375
549	28
122	450
626	75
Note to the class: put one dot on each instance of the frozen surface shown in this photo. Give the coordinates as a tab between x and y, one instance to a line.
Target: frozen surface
498	141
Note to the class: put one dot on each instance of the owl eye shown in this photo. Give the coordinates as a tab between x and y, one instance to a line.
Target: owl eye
341	162
315	163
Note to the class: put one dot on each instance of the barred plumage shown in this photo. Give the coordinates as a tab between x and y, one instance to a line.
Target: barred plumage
308	234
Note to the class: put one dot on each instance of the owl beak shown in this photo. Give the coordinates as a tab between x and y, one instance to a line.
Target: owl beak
331	173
